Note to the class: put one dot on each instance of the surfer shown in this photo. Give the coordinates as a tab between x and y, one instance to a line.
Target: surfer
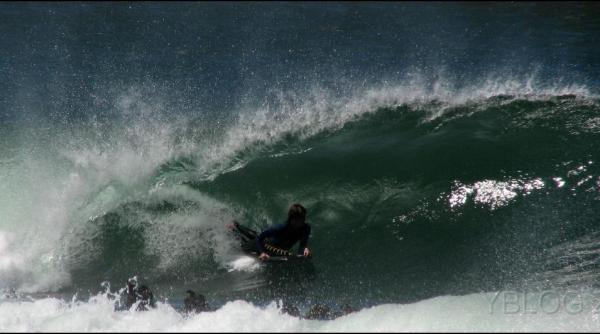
141	294
146	298
278	239
131	293
319	312
194	302
290	309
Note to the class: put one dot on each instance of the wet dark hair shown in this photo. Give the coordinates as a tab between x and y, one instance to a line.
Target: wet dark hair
296	211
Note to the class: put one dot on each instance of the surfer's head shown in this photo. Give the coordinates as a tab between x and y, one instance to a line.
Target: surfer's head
131	283
190	294
296	215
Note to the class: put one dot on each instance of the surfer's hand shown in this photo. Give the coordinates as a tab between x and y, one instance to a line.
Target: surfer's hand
306	252
263	256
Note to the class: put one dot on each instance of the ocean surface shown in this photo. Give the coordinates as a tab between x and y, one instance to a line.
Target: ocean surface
448	155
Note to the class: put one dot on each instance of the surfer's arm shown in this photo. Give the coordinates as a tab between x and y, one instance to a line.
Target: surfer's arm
303	249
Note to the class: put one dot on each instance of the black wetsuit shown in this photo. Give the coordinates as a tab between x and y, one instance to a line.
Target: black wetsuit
282	236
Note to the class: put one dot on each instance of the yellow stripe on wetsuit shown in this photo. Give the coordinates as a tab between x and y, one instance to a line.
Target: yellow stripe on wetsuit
277	251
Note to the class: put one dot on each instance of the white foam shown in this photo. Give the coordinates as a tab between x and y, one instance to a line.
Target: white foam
506	311
559	182
319	109
55	191
243	263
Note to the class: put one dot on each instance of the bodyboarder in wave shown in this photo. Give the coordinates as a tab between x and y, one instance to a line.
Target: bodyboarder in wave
278	239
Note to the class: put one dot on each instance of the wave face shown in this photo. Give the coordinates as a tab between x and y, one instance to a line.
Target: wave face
441	172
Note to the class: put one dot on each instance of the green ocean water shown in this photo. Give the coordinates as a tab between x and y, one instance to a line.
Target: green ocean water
436	158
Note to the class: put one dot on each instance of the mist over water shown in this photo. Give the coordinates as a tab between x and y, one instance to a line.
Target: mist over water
446	153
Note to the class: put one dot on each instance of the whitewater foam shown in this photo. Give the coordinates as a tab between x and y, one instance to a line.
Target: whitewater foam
505	311
321	110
